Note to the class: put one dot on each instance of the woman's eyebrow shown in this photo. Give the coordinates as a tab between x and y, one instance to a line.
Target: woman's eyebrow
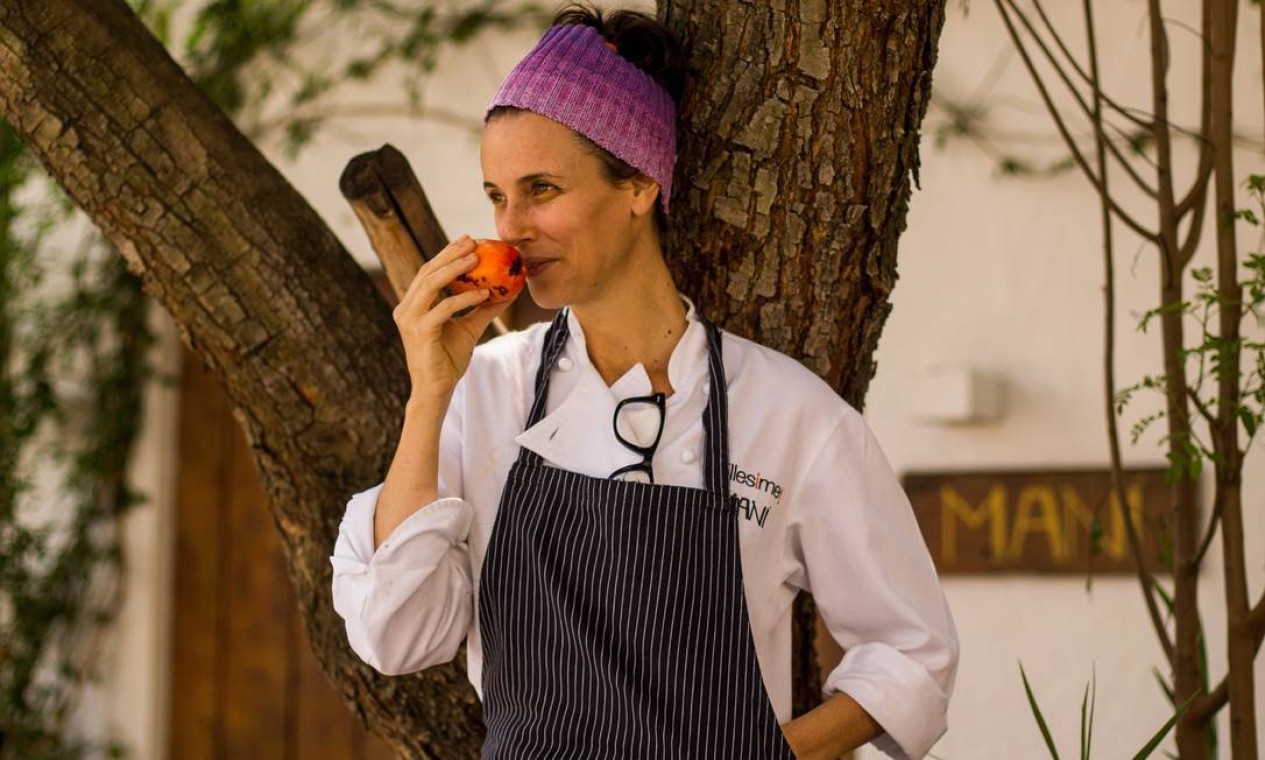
526	179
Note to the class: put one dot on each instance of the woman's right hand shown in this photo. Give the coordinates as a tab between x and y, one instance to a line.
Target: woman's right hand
438	345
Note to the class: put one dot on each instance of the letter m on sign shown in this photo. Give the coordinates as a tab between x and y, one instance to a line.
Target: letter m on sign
990	513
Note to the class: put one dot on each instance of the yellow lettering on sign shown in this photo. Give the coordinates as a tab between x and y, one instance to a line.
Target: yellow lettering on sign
954	507
1045	520
1117	543
1078	517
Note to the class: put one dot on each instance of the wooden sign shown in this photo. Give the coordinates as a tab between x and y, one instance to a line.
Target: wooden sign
1047	522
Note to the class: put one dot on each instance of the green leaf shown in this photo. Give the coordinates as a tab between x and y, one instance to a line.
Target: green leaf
1249	421
1247	216
1087	729
1014	167
1150	746
1036	712
1159	678
1164	597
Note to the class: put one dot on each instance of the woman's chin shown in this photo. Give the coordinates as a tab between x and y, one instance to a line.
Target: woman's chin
545	297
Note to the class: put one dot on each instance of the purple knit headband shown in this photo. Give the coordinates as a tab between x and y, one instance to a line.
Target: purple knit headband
573	77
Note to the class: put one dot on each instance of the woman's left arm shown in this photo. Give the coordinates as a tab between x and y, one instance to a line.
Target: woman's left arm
835	726
863	558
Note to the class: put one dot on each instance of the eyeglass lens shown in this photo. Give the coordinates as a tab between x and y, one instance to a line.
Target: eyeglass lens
638	426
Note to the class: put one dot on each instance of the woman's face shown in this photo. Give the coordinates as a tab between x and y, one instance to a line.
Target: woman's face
578	233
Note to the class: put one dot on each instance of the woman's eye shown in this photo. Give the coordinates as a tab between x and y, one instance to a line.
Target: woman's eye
541	187
494	197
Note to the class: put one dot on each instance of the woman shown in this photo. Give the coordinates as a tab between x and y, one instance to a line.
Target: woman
617	509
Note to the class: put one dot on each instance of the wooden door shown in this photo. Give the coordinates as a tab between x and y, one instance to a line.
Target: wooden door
244	681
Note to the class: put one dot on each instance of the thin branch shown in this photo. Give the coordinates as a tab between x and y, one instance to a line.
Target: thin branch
1204	411
1094	115
1219	697
1145	577
1120	213
1255	620
1131	139
1167	236
1197	197
1218	502
372	110
1125	112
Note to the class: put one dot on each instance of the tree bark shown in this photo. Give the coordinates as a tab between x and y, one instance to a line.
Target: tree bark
798	138
797	141
1240	643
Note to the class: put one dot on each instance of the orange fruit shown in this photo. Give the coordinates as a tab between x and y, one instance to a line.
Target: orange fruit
500	270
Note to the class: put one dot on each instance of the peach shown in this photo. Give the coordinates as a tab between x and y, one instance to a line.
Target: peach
500	270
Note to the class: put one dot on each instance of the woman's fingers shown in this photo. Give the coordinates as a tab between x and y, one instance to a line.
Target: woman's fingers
443	311
480	317
435	274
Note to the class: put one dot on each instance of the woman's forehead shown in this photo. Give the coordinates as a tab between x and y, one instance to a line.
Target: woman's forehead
522	144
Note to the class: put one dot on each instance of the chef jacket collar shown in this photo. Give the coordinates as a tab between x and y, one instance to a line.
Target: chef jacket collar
564	436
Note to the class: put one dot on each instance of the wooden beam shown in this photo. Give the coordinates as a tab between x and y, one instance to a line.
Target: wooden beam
393	209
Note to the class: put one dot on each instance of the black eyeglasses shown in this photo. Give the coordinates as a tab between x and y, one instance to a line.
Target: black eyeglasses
642	470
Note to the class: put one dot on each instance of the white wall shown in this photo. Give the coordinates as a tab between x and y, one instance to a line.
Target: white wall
1000	274
1006	275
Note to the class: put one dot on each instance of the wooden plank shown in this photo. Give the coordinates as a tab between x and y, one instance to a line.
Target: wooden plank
393	209
204	445
377	749
256	719
410	200
324	727
1049	521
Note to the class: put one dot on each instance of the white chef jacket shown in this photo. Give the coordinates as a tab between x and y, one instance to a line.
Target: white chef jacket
821	510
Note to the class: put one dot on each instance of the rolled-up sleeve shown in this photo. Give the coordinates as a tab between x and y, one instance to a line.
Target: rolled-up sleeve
409	605
868	569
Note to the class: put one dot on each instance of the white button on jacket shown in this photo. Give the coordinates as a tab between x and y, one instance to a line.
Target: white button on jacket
820	510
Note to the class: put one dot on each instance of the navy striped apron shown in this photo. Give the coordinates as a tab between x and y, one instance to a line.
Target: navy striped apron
612	613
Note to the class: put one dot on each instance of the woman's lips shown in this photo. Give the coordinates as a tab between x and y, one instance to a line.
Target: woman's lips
535	267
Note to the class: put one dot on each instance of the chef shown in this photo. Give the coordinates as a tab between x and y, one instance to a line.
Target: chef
616	510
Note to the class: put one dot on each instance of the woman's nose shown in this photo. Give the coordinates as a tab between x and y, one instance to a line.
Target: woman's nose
513	224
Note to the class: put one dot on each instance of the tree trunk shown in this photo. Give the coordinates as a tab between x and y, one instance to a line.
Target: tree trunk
798	137
797	140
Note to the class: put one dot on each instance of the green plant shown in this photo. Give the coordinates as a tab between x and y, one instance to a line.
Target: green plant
71	373
1212	357
1172	227
1087	721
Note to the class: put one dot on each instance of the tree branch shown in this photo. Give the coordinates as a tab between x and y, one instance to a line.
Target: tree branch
1088	79
1145	578
1218	502
1094	115
1197	197
1094	180
1167	238
1204	709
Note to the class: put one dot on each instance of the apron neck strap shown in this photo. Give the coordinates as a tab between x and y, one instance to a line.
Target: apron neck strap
555	341
715	416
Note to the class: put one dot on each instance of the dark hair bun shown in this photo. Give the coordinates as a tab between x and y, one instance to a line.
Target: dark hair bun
640	39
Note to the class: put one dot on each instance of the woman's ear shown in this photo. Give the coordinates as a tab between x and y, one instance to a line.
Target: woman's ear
645	193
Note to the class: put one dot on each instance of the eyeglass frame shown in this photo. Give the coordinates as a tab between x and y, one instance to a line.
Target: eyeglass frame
647	452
